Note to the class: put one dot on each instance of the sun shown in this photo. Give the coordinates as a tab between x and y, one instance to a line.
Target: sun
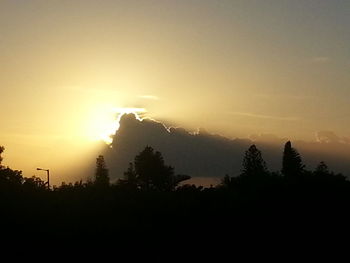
104	122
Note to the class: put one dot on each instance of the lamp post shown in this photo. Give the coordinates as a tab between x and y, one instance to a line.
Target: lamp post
48	176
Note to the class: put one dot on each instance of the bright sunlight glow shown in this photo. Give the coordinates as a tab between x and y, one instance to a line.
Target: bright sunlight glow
104	122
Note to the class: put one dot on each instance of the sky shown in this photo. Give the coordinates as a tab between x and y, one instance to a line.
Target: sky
235	68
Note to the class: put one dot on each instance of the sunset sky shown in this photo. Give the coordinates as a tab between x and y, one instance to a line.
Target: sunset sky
236	68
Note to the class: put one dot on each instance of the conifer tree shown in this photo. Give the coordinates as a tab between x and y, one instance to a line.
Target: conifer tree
253	163
292	165
101	173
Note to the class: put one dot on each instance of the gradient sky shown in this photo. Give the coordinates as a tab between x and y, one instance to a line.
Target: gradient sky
234	67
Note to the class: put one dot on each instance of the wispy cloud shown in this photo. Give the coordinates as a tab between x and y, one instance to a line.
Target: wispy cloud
320	59
330	137
149	97
261	116
274	96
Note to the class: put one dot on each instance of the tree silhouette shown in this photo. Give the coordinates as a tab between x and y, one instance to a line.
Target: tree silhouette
34	183
151	170
9	179
322	172
152	173
322	169
101	173
248	198
130	174
292	165
253	163
226	182
2	148
130	181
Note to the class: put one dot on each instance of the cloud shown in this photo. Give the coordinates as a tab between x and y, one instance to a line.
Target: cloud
320	59
197	154
267	137
346	140
204	155
149	97
280	96
330	137
261	116
203	181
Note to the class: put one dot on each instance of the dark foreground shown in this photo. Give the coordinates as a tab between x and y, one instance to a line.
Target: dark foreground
148	208
189	213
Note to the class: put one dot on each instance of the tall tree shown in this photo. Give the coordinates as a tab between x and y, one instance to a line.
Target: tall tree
150	168
292	165
253	163
101	173
152	173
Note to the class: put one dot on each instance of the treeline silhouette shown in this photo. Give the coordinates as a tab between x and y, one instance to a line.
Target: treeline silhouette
152	200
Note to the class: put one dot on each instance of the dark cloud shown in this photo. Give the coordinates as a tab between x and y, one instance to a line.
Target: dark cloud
205	155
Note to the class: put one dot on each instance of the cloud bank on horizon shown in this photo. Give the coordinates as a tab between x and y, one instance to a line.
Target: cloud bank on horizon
205	155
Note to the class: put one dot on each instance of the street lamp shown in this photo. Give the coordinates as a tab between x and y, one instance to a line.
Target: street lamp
48	176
